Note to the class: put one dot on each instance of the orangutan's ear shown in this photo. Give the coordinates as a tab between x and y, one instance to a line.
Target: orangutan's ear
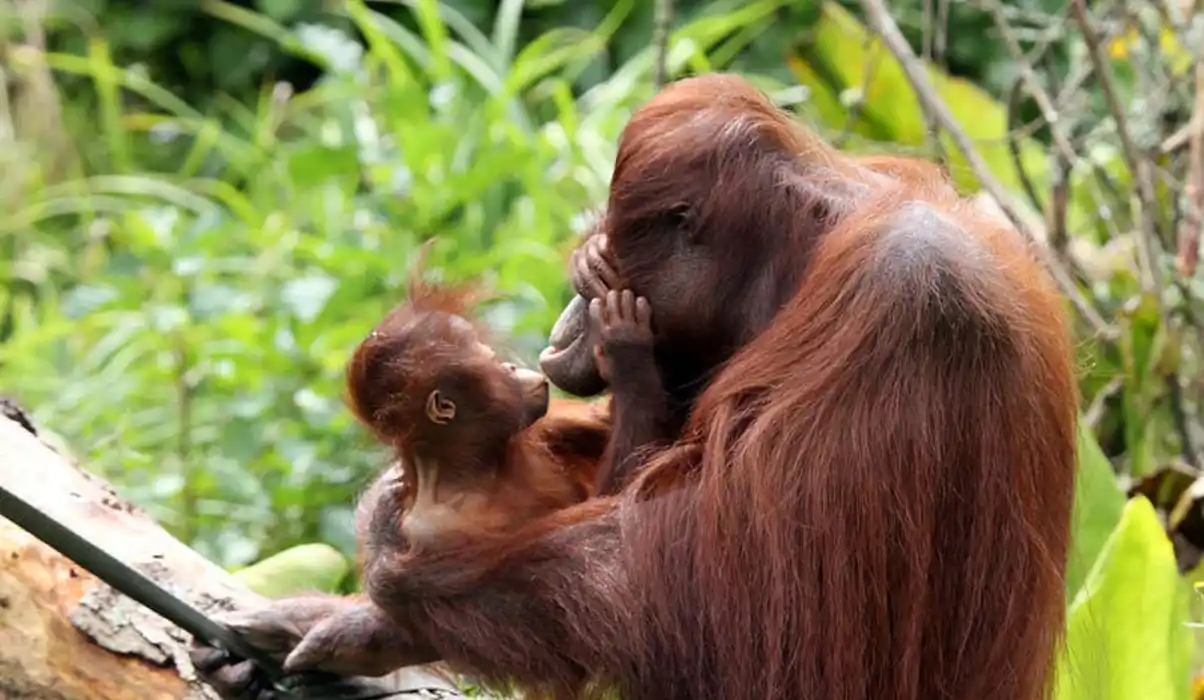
440	409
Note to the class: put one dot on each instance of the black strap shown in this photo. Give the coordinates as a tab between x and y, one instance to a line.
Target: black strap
130	581
133	583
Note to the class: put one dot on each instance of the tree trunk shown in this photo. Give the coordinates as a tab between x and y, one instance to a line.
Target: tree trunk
64	635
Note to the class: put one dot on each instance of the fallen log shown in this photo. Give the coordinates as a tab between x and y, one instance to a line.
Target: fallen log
65	635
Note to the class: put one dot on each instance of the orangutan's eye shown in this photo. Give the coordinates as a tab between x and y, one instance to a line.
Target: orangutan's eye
682	219
680	215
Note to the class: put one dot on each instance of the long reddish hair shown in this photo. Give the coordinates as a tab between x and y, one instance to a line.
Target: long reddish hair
879	486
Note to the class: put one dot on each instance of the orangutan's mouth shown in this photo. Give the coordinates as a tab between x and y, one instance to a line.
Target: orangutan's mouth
568	361
554	354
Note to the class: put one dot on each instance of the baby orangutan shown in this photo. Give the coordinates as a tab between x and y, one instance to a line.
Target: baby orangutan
479	447
479	450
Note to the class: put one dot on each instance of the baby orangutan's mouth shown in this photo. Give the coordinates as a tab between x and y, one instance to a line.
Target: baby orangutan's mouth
535	394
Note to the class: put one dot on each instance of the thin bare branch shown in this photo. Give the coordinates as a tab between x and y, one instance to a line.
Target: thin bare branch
660	41
1179	418
917	75
1059	206
1014	138
1031	83
1193	221
857	108
1138	166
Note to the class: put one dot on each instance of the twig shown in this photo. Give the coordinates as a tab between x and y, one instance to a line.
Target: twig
1138	167
661	22
858	107
916	74
1059	205
37	104
1102	181
1148	232
1099	405
894	41
942	34
1190	228
1031	82
1180	138
1013	144
184	397
929	30
1189	248
932	27
1174	393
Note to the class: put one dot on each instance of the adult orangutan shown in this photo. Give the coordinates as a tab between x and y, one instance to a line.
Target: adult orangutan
706	306
871	495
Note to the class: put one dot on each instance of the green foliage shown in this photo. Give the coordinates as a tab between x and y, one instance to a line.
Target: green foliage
864	91
189	328
1098	506
301	569
1127	634
204	49
185	329
245	185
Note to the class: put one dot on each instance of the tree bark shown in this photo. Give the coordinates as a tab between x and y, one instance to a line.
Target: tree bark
64	635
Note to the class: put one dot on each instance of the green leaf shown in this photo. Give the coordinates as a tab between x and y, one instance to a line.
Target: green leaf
435	32
281	10
1140	347
307	296
1127	637
317	163
505	29
304	568
1098	504
842	56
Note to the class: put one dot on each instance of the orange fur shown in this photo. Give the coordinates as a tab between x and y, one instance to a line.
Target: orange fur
869	491
871	496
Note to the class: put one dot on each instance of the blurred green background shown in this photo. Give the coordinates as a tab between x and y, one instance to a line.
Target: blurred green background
208	204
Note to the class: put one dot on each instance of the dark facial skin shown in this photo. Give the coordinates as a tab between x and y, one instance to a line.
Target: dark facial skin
612	341
570	358
526	387
502	398
681	291
569	355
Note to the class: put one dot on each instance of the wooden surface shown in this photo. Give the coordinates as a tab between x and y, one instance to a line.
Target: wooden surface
66	636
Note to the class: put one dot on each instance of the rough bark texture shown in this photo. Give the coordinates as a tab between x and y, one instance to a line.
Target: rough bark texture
66	636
